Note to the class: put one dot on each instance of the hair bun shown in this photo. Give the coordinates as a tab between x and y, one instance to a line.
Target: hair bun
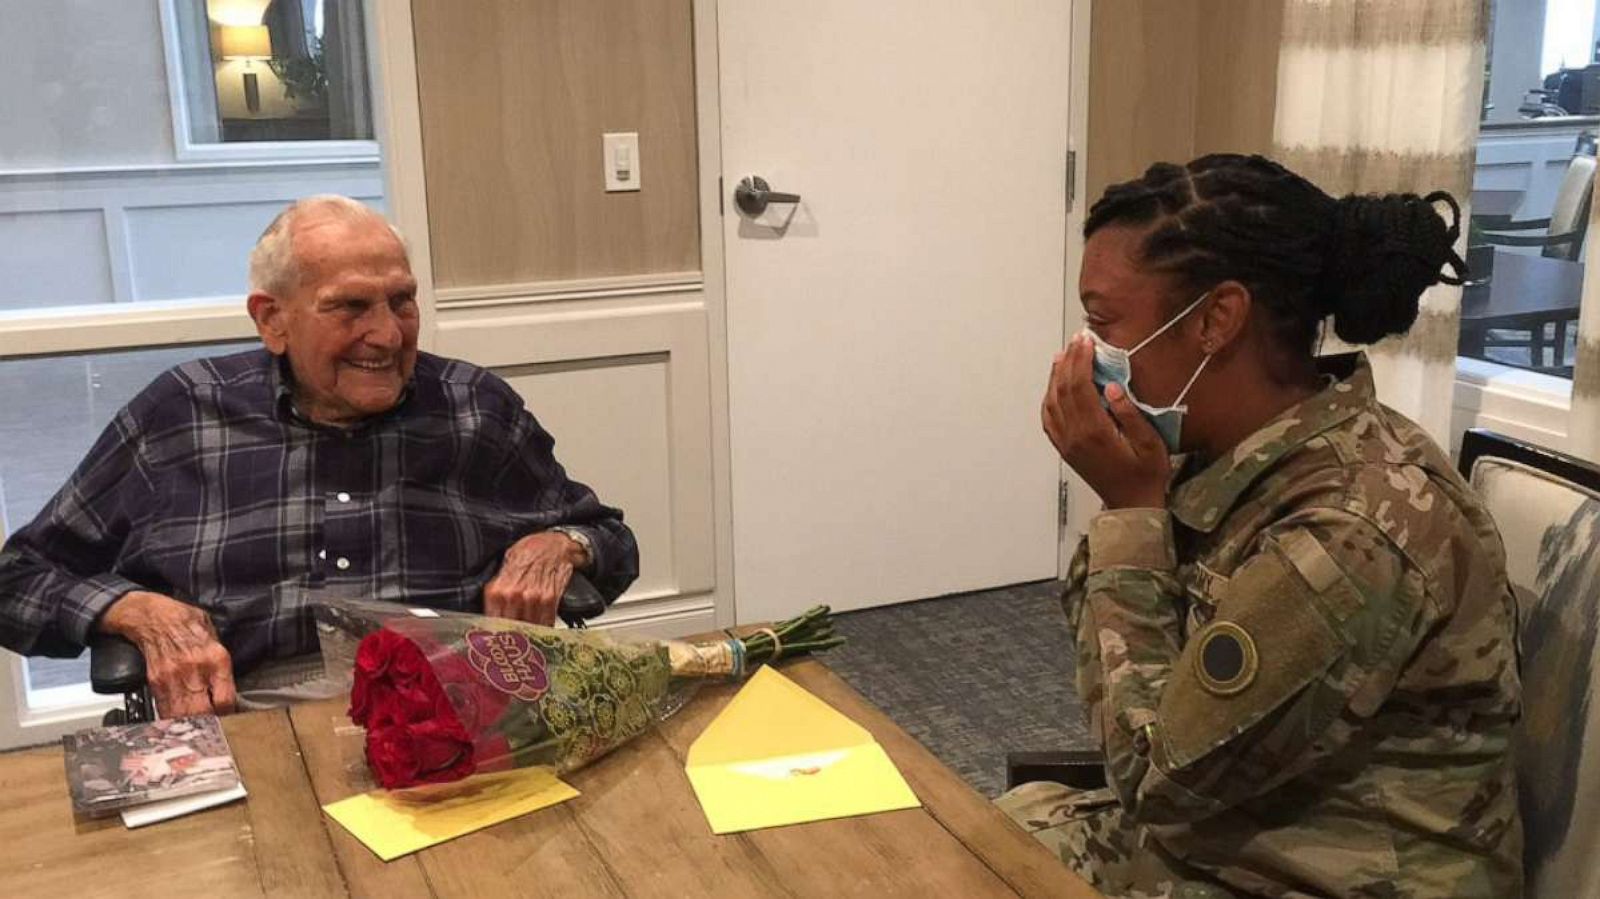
1383	252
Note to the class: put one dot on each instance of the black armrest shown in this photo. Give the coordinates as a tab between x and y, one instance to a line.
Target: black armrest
581	602
1538	240
1505	223
1081	769
116	666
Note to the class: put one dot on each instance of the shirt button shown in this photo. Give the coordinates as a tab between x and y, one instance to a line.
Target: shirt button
322	554
342	563
344	497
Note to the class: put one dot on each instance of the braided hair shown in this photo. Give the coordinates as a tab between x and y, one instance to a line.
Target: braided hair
1304	256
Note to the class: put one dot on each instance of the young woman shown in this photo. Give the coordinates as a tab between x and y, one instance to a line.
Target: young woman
1297	644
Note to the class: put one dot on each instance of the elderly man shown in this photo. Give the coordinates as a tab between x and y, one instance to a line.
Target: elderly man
233	490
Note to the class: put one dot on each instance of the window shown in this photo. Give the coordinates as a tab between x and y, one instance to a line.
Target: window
123	245
269	78
52	408
1532	186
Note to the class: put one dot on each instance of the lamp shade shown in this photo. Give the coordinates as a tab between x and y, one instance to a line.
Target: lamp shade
246	42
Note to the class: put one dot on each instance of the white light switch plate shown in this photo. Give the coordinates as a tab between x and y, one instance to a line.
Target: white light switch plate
621	160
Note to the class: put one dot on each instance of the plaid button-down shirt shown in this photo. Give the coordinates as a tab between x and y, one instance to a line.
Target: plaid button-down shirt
209	487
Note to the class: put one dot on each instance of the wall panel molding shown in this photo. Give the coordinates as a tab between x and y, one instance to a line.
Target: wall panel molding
151	239
574	289
612	362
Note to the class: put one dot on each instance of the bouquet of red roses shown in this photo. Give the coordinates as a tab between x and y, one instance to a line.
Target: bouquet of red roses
443	698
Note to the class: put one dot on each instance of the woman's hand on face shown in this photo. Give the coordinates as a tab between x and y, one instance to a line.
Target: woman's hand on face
1118	453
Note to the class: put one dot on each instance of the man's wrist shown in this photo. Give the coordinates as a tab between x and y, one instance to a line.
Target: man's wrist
582	555
127	615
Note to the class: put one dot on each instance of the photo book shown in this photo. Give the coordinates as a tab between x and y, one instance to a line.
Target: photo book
110	769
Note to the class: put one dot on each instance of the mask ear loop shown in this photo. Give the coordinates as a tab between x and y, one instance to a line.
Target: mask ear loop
1192	378
1174	320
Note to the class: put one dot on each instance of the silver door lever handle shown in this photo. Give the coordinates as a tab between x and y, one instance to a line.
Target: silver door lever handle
753	194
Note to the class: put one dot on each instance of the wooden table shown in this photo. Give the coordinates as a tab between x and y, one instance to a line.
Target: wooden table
1494	207
1523	293
636	830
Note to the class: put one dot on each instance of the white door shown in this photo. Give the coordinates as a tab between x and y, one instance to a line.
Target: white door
889	335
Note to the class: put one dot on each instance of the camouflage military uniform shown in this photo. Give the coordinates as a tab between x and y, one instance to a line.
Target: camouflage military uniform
1303	674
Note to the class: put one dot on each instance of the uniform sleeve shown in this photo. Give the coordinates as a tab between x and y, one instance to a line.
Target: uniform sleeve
57	574
1309	635
535	491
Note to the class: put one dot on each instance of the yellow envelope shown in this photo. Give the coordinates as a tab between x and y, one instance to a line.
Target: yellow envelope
392	825
778	755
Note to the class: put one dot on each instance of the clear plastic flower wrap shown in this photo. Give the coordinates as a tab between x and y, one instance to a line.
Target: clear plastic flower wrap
446	697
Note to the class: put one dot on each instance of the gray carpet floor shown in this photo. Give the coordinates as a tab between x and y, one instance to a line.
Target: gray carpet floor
972	676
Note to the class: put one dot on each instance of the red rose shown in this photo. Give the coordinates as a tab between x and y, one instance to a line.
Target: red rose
360	700
478	704
444	751
431	751
407	664
392	757
372	659
414	733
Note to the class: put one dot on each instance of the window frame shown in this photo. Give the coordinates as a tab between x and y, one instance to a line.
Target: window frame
150	324
1519	403
187	149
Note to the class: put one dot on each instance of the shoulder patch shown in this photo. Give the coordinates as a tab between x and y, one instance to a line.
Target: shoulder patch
1226	661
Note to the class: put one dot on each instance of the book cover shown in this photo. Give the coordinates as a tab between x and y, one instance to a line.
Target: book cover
113	768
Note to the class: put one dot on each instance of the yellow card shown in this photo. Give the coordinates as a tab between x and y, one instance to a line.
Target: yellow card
396	824
778	755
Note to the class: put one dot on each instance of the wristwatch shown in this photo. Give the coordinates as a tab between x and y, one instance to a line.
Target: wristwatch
576	535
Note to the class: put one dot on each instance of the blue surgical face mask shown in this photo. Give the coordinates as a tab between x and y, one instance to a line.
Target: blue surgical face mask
1112	366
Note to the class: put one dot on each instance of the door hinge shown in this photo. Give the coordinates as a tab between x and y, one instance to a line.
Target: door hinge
1072	178
1066	502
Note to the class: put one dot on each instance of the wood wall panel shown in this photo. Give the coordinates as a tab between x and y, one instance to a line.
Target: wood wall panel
1141	86
515	95
1173	79
1237	64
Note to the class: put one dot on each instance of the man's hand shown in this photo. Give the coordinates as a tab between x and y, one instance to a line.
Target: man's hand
1119	454
532	578
186	666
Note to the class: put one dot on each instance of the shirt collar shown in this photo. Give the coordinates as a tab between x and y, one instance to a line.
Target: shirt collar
1202	501
281	378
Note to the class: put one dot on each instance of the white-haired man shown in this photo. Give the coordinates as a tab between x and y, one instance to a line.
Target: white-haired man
223	498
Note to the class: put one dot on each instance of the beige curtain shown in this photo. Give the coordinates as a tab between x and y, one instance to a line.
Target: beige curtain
1378	96
344	43
1583	425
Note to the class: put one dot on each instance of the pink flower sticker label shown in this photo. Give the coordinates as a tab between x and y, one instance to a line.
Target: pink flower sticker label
509	662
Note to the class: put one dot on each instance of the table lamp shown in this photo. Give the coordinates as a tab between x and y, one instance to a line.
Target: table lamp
249	43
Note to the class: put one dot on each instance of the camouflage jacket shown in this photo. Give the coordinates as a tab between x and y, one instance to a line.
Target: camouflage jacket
1304	671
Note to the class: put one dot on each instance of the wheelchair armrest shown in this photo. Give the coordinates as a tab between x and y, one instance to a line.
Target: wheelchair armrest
1506	223
581	602
1496	238
1081	769
116	666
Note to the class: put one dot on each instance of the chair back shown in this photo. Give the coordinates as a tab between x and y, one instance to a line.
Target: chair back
1570	214
1547	507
